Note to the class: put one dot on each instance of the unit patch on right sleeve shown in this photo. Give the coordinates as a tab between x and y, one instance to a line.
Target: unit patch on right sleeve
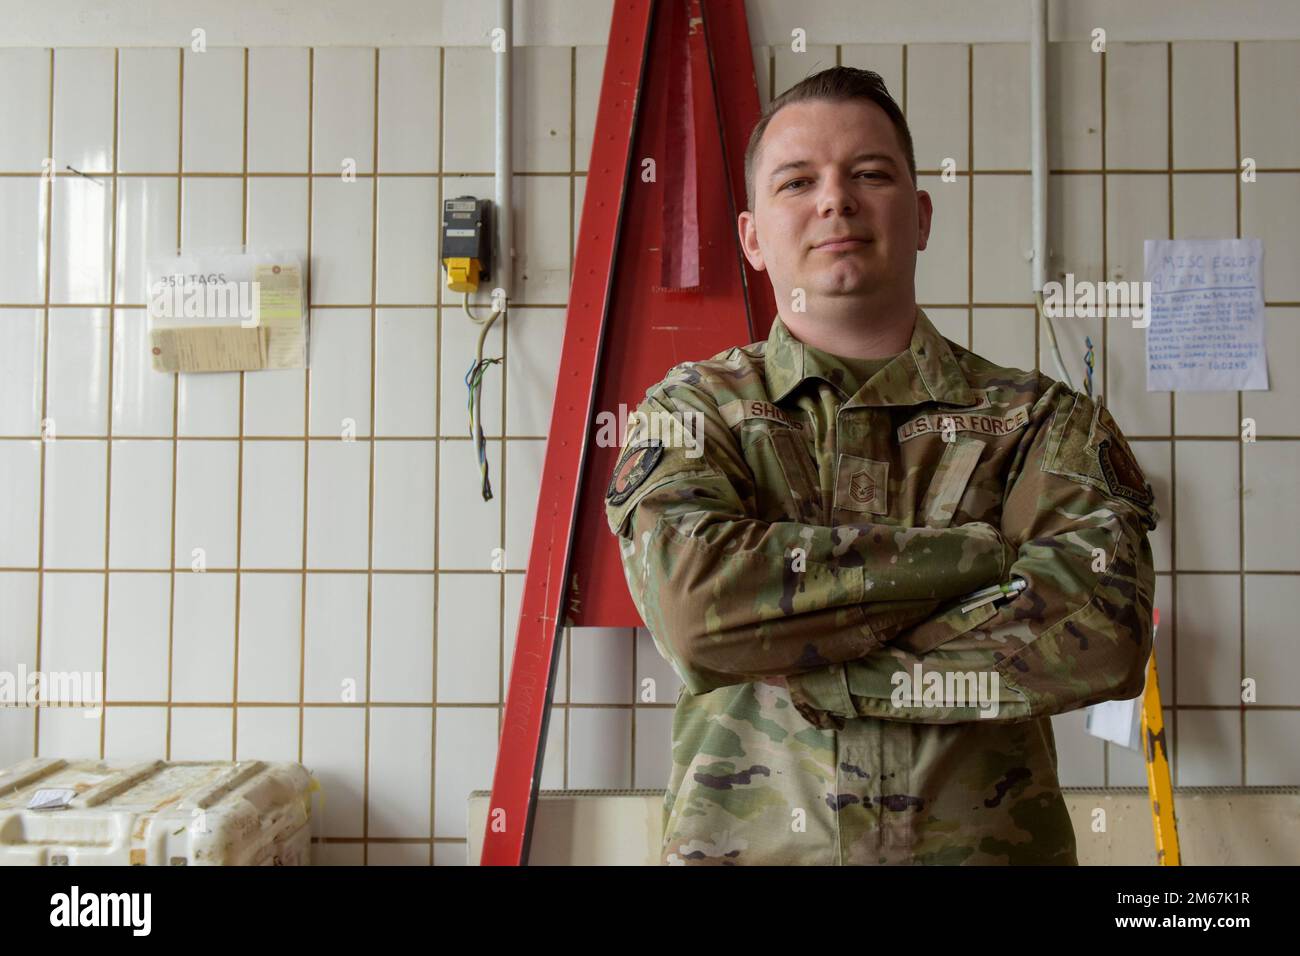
1122	472
1085	444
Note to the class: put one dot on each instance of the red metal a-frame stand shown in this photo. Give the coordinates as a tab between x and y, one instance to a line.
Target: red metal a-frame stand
658	279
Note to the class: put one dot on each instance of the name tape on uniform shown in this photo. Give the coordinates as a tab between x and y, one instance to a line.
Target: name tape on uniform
735	412
984	424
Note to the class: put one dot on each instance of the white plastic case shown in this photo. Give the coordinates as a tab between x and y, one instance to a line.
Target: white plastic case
155	813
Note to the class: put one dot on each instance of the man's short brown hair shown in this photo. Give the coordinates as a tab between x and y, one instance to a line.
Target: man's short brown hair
837	84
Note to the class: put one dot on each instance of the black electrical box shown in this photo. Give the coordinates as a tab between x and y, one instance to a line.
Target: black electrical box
467	239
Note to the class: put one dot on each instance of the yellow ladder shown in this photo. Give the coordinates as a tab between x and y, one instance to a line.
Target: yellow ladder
1155	747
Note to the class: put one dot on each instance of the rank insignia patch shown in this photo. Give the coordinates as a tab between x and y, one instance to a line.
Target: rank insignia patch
633	468
862	488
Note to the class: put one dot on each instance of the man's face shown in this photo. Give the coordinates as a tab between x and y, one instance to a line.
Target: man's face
853	182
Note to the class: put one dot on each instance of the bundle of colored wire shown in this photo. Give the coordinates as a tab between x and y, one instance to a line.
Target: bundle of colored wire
1088	361
474	382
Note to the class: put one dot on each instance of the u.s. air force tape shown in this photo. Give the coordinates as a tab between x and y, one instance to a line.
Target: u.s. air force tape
938	422
634	466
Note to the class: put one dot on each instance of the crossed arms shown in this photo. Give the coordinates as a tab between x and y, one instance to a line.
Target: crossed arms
839	611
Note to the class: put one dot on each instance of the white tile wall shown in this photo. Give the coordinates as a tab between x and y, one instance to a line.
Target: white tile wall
1074	101
270	637
75	490
408	125
141	482
943	267
214	106
349	614
271	515
406	240
146	227
25	119
77	371
601	665
21	372
148	119
203	637
335	639
401	636
135	733
1000	101
400	771
278	112
138	611
266	733
80	222
1137	111
22	265
1000	260
343	110
937	107
143	403
406	372
83	109
1202	107
1268	211
600	747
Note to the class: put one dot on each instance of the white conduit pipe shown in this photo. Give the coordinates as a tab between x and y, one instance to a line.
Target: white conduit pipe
1038	168
504	155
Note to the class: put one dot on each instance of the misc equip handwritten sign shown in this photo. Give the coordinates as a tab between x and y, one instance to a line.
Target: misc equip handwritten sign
1207	315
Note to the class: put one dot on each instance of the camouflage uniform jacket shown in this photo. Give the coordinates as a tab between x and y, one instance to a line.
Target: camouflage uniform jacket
807	549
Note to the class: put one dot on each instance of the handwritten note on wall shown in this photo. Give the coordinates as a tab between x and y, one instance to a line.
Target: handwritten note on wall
1207	315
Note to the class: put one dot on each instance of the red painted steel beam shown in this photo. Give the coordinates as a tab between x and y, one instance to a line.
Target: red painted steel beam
657	209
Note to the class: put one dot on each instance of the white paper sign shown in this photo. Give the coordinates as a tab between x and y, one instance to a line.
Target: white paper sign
220	312
1207	315
1119	721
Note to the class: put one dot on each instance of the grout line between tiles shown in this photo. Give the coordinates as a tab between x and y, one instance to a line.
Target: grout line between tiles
239	466
561	174
1241	446
1173	463
1105	325
437	477
176	389
108	411
306	413
370	440
47	207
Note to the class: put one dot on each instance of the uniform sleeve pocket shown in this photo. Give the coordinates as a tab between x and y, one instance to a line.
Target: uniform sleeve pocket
620	515
943	627
1098	456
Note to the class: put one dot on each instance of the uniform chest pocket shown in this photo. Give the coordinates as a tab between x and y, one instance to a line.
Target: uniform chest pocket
787	486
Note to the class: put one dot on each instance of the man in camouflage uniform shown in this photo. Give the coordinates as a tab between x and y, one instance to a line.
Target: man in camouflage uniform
803	565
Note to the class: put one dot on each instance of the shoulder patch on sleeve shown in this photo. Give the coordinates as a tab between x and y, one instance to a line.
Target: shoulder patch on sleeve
1088	446
633	468
1122	473
1119	466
